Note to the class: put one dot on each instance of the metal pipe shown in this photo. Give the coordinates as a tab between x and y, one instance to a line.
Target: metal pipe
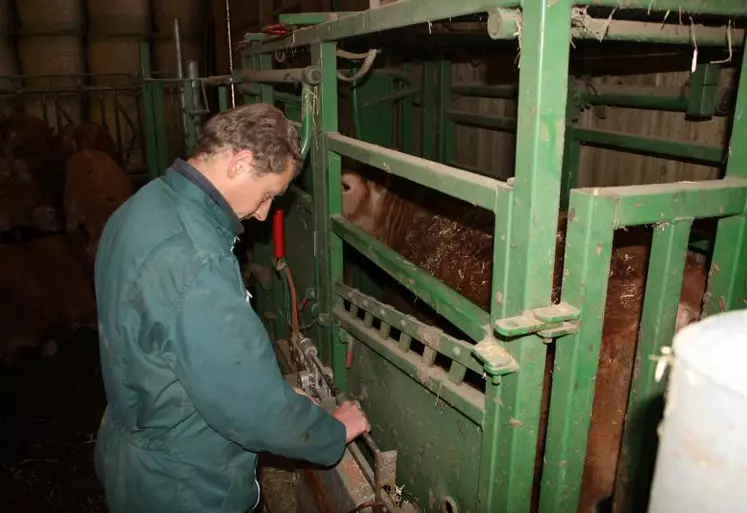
310	75
701	464
194	73
230	50
307	116
180	75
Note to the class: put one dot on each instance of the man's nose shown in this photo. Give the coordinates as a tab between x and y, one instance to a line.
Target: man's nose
263	211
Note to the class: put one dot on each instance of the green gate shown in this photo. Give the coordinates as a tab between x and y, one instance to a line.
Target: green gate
462	447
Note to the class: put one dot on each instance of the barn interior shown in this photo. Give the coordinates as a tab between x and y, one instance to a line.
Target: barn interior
506	362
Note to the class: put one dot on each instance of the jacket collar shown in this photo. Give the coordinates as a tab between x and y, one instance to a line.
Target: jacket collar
192	185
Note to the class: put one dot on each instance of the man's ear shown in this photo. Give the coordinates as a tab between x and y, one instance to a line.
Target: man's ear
240	163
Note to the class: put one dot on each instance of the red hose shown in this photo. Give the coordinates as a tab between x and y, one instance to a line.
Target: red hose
278	234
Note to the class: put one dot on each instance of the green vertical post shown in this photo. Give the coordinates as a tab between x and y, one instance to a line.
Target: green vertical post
327	202
645	406
726	286
222	98
429	111
406	123
531	254
189	118
162	138
571	161
587	260
445	135
151	145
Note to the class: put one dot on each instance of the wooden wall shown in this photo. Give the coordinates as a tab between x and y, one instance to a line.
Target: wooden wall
493	152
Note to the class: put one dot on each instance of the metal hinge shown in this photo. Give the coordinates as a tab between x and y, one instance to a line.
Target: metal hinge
548	322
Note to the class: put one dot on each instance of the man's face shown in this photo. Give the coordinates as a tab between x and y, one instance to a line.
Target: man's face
254	190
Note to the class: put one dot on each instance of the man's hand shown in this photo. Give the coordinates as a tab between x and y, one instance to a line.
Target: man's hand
301	392
355	422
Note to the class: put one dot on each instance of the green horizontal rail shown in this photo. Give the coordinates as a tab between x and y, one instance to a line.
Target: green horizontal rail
312	18
458	310
629	100
287	97
647	145
648	204
484	91
500	124
636	101
506	23
461	397
401	14
716	7
477	190
675	150
454	349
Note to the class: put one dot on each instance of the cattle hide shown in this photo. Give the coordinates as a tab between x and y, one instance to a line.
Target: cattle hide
453	241
48	289
95	187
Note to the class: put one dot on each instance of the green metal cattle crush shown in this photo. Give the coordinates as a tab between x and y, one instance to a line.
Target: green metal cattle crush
462	448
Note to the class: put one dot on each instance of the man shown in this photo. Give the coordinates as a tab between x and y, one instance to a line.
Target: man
194	390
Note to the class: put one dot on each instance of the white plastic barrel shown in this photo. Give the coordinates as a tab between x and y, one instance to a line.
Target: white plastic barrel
701	463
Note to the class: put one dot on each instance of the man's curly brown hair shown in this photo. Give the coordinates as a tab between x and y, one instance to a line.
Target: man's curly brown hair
258	127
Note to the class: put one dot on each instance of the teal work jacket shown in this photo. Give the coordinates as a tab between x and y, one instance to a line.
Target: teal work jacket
193	386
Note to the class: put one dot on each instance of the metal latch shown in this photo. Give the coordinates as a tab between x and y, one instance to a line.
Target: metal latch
548	322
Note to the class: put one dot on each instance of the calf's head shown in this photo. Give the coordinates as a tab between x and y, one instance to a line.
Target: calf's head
363	199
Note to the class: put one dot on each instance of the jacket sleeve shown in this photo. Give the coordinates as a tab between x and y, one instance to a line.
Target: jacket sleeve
226	363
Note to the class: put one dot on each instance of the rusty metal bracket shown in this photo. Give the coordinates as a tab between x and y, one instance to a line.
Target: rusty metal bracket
548	322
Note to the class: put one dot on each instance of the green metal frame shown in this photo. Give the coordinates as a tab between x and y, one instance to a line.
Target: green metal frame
475	446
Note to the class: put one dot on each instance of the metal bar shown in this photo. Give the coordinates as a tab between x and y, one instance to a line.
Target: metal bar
716	7
729	267
287	97
189	119
507	91
648	204
151	133
222	99
635	101
674	150
395	96
327	178
445	133
455	349
401	14
505	24
429	111
230	52
406	116
478	190
587	261
506	479
312	18
310	75
461	312
571	162
462	397
500	124
162	137
637	457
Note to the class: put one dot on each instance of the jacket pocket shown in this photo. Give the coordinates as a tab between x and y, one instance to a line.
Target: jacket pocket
243	491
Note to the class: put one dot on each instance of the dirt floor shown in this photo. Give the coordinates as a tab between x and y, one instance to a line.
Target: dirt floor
50	409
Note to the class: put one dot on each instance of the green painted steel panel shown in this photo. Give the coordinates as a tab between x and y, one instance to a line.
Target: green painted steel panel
541	125
587	256
478	190
645	409
411	419
400	14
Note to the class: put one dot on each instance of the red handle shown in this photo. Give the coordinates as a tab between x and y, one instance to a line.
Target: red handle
278	234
